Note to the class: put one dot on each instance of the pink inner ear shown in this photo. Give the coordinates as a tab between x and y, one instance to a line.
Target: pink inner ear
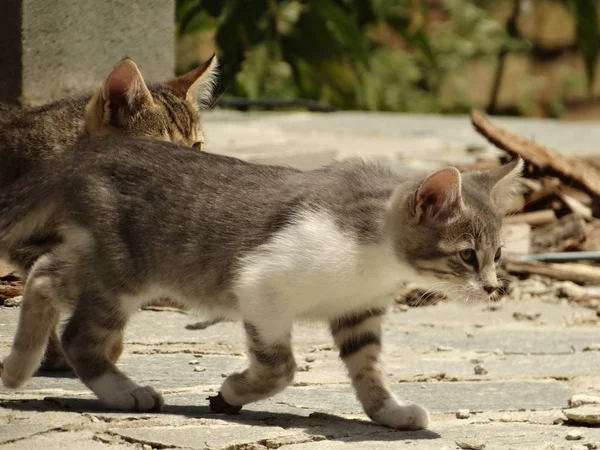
438	194
123	84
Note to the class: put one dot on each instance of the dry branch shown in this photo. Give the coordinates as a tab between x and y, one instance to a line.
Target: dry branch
578	273
575	171
568	233
534	218
10	290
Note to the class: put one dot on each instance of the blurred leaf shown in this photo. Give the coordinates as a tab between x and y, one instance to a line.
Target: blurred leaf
192	15
588	35
342	25
288	14
241	29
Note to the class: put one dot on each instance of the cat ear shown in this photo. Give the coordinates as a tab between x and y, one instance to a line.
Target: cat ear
125	86
501	182
197	85
438	198
124	90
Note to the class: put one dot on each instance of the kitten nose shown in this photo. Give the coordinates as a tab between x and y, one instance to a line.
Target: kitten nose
490	289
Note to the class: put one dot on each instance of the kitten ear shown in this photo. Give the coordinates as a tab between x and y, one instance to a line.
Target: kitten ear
501	182
197	85
125	86
124	91
438	198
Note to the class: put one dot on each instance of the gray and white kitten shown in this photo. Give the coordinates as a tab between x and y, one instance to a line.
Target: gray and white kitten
263	244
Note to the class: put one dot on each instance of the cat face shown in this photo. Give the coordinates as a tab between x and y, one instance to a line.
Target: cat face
165	111
454	237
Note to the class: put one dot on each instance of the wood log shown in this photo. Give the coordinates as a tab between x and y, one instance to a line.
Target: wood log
480	164
592	242
577	194
592	160
568	233
571	170
543	197
575	205
530	184
534	218
10	290
578	273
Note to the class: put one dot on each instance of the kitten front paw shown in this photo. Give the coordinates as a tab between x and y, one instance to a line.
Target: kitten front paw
218	404
140	399
402	415
12	377
147	399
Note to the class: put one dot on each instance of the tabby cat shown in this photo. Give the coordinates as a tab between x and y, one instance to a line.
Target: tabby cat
267	245
38	136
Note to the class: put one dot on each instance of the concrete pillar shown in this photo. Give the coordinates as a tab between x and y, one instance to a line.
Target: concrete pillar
55	48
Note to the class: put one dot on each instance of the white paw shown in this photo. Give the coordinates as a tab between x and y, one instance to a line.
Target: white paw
116	391
17	368
402	415
10	377
140	399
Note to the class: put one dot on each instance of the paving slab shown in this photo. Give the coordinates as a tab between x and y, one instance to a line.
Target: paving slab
399	137
215	436
523	341
440	396
17	424
69	440
495	436
459	366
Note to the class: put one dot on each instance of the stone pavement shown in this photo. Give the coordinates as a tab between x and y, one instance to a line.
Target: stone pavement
533	368
514	376
405	141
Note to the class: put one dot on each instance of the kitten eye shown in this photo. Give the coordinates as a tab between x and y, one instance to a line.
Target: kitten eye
198	146
469	256
498	255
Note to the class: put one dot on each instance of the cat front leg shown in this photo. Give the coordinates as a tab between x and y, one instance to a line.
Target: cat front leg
92	342
38	317
358	338
272	368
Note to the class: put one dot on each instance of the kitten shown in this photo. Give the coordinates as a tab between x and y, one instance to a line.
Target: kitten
168	111
263	244
31	137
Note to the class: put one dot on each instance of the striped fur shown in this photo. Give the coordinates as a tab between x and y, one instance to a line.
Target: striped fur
167	111
272	368
358	337
265	244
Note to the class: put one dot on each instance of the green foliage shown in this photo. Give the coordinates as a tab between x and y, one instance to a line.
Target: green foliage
588	34
363	54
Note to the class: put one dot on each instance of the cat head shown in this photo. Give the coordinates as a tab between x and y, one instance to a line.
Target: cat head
167	111
447	227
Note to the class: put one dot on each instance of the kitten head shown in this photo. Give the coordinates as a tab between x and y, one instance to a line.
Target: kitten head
165	111
447	227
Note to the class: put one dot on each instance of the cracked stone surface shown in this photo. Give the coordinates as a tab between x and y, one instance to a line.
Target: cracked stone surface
532	367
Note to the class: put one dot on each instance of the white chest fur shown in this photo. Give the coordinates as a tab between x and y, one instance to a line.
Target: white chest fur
312	269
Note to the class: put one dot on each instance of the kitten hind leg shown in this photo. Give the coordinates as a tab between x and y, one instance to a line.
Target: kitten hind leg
92	341
272	368
23	258
54	359
358	338
38	316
